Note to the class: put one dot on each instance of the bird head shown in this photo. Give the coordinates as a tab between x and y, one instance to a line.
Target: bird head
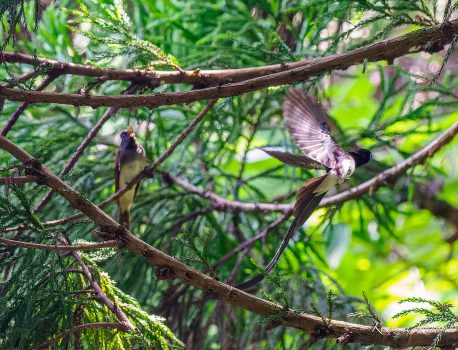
347	168
361	156
128	134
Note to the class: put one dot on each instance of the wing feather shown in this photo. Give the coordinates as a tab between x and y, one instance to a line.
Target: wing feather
294	160
305	118
117	170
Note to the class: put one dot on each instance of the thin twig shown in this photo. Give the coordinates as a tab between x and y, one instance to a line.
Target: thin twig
181	137
101	297
78	328
249	242
15	116
18	180
199	212
61	248
394	337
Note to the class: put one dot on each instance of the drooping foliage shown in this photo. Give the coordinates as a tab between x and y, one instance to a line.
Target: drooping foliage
392	243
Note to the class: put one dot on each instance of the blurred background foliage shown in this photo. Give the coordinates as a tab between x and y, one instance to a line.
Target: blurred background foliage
392	244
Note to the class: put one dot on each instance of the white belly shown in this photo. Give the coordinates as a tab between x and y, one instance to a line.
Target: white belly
329	182
127	174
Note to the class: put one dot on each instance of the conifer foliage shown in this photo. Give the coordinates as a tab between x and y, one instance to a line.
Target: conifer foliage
210	197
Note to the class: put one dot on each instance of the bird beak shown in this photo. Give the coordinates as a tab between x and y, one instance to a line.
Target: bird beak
130	131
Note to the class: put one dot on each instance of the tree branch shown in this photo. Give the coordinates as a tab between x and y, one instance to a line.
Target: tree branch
369	186
61	248
101	297
210	77
79	328
223	204
15	116
249	242
394	337
429	39
178	141
197	76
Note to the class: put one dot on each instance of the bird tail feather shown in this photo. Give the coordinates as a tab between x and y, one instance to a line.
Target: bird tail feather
124	219
306	203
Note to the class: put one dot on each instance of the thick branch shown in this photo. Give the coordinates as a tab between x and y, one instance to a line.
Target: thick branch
223	204
61	248
421	40
198	76
220	76
175	269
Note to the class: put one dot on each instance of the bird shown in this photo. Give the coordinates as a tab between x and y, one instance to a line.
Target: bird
306	120
130	161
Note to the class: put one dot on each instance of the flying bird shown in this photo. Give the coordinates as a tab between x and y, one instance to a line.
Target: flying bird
306	120
130	161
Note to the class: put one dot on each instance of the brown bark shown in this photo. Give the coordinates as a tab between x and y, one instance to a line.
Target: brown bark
430	39
173	268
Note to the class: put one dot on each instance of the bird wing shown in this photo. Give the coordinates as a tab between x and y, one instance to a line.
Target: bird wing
294	160
305	118
117	169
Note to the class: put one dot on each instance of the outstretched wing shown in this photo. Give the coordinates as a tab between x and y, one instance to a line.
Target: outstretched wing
294	160
305	118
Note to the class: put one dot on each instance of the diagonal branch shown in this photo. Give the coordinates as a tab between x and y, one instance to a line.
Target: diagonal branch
224	204
101	297
173	268
15	116
416	41
168	152
246	245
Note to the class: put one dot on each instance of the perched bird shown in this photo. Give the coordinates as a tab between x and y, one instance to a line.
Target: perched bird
306	120
130	161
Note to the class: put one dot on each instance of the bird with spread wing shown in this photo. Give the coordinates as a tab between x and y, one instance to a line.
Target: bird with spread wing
306	120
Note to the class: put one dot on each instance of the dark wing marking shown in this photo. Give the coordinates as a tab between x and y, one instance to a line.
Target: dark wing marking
137	186
117	169
306	120
294	160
